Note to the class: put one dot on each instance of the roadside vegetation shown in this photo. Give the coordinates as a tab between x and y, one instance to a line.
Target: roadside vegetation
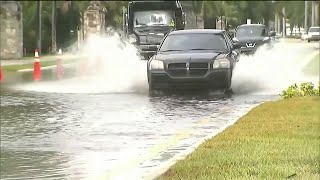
68	17
31	56
304	89
13	68
275	140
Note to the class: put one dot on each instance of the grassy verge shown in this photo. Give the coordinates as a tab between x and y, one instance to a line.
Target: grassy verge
312	68
30	66
31	56
275	140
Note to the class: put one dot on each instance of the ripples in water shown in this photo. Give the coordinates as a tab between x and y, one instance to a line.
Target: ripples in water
76	136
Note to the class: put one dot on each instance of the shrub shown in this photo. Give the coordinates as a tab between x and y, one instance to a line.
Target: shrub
304	89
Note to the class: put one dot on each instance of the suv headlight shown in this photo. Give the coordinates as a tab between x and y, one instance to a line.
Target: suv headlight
266	39
221	63
156	65
235	39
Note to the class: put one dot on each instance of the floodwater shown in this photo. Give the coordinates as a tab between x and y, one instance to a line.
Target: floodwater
80	136
63	130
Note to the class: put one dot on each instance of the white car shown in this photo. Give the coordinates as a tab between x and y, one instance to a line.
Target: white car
314	34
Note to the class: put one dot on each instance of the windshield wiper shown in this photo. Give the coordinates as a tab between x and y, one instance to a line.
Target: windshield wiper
157	24
200	49
171	50
141	25
216	50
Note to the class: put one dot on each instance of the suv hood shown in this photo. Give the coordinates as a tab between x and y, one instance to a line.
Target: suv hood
176	57
313	33
250	39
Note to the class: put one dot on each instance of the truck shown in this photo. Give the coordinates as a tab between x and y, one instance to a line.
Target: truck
146	23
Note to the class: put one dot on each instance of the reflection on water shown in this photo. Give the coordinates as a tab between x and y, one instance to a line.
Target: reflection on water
79	136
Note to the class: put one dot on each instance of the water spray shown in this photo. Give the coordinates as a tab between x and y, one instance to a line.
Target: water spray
111	64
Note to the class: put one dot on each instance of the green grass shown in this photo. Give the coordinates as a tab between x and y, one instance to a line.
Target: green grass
31	56
30	66
312	68
275	140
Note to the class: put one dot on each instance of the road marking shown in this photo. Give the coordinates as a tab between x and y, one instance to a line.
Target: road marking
174	140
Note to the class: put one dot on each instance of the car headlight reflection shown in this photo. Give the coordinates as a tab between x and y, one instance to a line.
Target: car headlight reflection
221	63
266	39
156	65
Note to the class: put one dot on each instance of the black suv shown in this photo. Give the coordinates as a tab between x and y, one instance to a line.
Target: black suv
251	36
193	59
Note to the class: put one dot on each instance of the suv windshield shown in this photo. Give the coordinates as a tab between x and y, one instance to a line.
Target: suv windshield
153	18
185	42
314	29
251	31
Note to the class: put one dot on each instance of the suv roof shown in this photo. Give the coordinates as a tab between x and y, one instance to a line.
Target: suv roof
252	25
200	31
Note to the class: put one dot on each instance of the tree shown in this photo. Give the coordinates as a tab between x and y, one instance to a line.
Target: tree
114	13
214	9
29	10
197	7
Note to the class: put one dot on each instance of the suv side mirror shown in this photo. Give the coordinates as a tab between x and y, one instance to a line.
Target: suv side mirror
236	45
272	33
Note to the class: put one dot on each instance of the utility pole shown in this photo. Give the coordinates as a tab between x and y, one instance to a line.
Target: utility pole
39	38
316	13
53	27
222	4
79	28
276	17
284	22
305	15
312	13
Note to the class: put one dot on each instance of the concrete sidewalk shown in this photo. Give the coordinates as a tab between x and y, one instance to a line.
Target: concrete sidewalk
42	59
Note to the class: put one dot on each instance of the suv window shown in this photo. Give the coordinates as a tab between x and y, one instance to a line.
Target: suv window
192	41
251	31
314	29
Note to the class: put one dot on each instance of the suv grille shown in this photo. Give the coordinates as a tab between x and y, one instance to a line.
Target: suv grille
193	69
250	44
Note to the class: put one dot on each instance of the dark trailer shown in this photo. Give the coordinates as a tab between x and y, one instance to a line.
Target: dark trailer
148	22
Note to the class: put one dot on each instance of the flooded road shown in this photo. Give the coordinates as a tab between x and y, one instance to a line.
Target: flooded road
61	130
80	136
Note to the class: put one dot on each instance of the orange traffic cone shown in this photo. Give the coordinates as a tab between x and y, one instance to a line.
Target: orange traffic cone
36	67
1	74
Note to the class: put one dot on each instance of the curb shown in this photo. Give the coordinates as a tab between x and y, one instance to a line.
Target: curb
31	61
183	154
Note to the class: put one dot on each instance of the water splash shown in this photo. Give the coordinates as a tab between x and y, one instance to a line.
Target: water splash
269	71
116	68
111	66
